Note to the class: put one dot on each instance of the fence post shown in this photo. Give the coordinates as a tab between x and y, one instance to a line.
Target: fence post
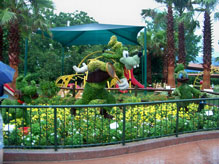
136	91
177	119
123	131
73	90
55	128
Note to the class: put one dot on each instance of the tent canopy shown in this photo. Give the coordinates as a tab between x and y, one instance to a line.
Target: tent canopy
94	34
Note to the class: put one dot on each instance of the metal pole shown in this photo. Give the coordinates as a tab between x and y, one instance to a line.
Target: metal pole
55	130
145	59
142	68
63	56
123	130
25	58
177	119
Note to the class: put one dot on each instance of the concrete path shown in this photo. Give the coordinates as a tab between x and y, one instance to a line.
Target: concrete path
198	152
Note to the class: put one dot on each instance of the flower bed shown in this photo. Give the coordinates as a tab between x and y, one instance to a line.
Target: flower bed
89	127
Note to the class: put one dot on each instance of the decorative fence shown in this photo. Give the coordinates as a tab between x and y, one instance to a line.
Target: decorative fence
53	126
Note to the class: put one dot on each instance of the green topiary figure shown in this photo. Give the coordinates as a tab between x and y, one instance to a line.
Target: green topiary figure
99	74
26	89
184	91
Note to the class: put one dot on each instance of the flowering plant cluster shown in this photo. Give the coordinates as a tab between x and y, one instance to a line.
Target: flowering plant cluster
89	127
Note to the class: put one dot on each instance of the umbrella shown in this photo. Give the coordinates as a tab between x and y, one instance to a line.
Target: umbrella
6	73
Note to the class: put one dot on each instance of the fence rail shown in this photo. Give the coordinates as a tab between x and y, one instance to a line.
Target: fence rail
53	126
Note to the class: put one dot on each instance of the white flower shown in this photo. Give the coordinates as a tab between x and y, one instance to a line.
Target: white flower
209	113
114	125
9	128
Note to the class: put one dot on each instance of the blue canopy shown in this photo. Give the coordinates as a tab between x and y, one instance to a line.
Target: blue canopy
94	34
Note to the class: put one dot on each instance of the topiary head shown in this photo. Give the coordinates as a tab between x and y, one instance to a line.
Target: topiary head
181	75
121	54
116	47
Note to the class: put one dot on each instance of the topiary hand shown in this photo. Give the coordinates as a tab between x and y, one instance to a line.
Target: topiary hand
124	84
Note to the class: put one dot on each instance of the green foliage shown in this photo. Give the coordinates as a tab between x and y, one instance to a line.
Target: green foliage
141	97
56	100
27	87
48	89
10	114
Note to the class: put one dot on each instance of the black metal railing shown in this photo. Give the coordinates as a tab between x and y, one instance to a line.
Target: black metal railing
53	126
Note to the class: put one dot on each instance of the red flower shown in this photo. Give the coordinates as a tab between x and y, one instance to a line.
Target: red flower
20	102
24	130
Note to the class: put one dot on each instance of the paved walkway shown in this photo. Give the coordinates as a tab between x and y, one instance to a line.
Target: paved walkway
198	152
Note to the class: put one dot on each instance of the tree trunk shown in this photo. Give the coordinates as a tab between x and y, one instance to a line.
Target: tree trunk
149	74
171	79
165	67
14	49
1	43
181	40
207	51
170	48
206	79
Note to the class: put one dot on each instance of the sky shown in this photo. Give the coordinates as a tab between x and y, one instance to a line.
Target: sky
125	12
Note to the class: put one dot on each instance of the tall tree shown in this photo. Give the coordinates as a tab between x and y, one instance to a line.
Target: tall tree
170	47
157	25
170	42
1	43
26	17
207	7
5	17
181	6
1	34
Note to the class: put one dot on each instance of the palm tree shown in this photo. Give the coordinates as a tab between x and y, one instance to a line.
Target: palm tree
170	47
27	16
5	17
181	6
1	36
207	7
1	43
170	42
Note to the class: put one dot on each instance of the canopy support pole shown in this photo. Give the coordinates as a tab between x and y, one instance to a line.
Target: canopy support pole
145	59
25	58
63	56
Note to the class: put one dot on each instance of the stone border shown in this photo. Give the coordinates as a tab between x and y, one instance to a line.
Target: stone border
104	151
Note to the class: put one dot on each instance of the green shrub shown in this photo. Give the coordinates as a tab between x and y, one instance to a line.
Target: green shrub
48	89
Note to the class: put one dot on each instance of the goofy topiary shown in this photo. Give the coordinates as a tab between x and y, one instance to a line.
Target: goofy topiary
98	75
